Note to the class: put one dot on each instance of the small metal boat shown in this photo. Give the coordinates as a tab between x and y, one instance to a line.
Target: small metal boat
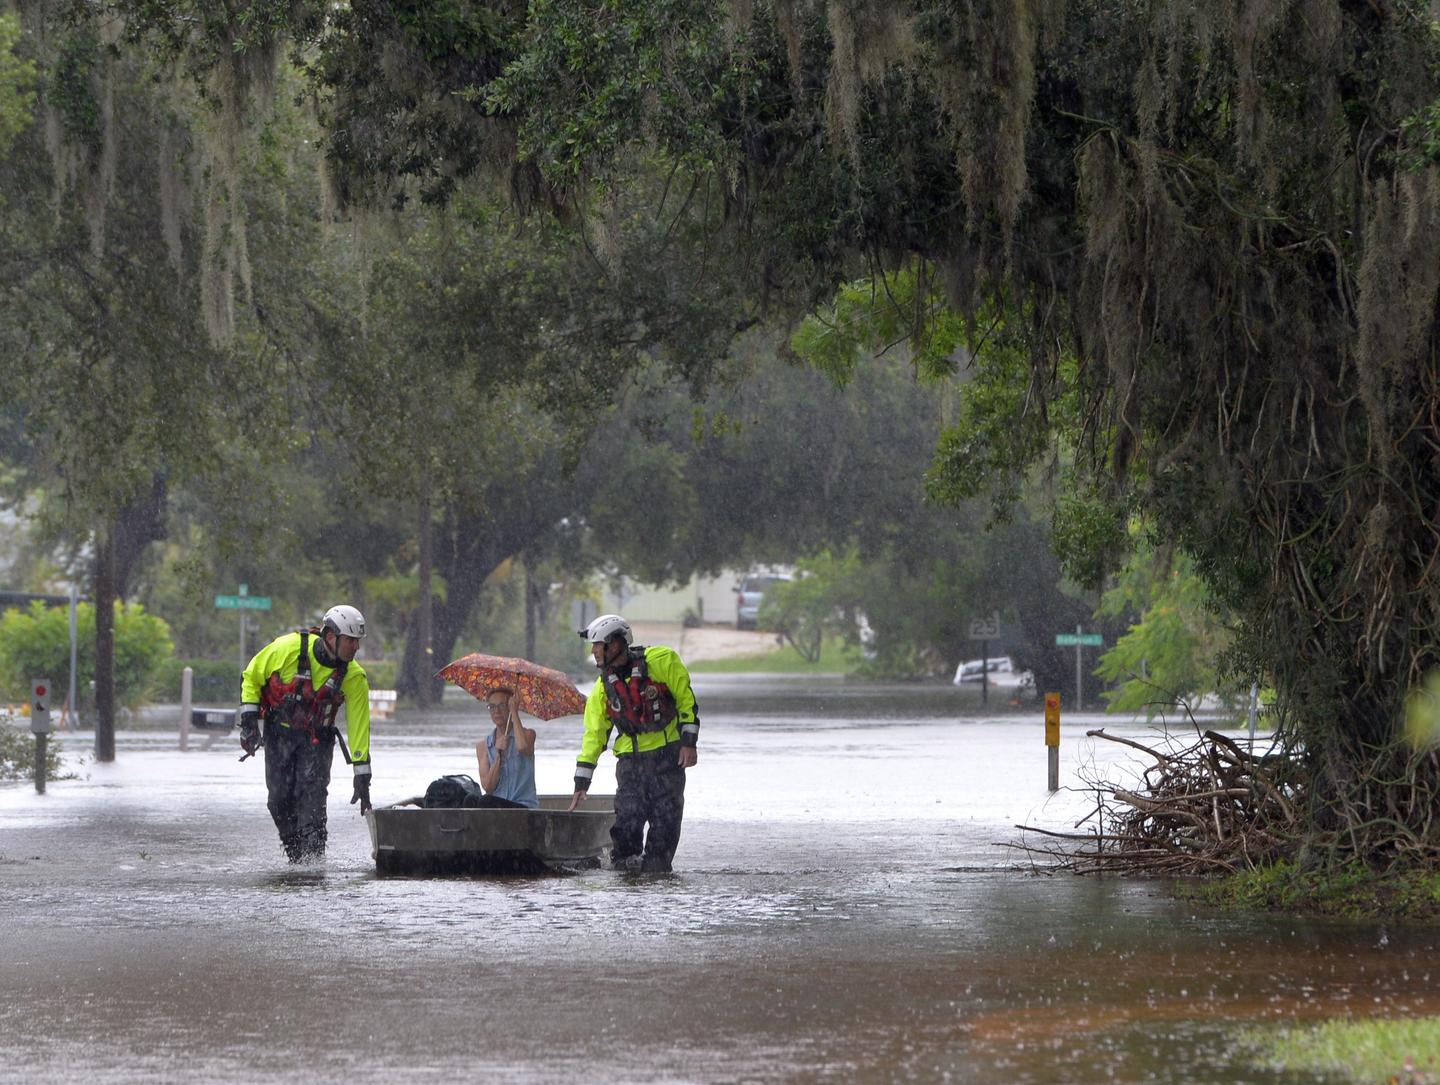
411	840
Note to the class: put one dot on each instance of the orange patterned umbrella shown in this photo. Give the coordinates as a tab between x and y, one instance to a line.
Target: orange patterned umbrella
544	691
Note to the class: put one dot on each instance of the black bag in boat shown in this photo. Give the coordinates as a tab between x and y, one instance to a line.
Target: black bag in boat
449	791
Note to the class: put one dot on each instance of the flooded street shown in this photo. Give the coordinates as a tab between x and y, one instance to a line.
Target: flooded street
840	910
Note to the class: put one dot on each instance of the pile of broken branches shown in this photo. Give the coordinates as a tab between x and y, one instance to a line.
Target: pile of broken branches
1210	807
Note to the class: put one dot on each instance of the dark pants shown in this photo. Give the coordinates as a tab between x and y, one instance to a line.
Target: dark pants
494	802
297	775
649	787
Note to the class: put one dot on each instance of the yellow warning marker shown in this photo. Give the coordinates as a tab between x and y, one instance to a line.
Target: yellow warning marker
1052	737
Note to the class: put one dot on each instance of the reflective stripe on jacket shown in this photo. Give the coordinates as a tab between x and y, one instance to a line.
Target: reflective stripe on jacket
282	655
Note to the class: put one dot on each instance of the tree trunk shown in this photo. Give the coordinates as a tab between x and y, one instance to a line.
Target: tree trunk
426	692
464	558
138	524
530	607
118	550
105	645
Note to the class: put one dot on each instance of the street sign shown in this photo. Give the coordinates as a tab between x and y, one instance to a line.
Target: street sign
242	602
986	628
40	706
1070	640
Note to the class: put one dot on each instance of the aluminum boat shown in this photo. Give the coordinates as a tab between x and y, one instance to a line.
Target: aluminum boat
411	840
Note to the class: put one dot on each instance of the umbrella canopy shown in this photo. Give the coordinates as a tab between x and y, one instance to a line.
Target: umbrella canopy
543	691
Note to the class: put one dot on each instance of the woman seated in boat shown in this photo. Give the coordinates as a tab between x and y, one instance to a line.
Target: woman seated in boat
507	755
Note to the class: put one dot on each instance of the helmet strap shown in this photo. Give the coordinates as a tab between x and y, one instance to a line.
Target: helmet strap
323	652
611	662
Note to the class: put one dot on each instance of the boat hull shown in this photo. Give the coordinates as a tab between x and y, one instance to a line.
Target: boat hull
413	841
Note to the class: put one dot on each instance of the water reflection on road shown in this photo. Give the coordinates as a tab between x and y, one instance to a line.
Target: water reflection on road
840	910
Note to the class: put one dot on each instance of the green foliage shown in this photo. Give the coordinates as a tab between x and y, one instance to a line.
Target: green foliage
1221	287
1422	713
643	67
999	431
36	643
936	571
70	88
1352	889
391	600
1173	648
498	625
17	754
880	312
821	601
17	82
1088	533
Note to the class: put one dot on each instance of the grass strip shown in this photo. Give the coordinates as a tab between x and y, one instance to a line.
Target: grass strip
1375	1051
1353	891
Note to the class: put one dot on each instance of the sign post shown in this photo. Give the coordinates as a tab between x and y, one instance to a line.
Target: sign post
1052	738
1080	639
242	601
40	726
71	716
985	630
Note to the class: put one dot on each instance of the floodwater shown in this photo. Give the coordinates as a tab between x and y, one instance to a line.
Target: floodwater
839	911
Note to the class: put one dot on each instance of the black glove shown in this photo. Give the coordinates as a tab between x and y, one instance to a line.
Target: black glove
362	793
249	733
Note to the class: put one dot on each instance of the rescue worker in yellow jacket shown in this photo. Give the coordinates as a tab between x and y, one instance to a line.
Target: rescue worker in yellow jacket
645	694
295	686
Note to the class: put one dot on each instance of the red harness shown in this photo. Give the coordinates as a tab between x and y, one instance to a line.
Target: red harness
298	703
639	704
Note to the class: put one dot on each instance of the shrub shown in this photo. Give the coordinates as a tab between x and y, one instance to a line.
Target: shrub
17	756
35	643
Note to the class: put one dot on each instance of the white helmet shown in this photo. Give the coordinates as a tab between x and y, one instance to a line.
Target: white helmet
605	627
347	621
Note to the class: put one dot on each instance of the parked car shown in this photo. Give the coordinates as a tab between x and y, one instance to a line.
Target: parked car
998	672
750	593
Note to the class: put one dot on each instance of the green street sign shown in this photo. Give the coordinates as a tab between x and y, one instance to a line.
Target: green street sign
242	602
1068	640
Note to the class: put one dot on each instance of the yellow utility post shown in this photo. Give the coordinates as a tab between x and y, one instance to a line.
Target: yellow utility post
1052	737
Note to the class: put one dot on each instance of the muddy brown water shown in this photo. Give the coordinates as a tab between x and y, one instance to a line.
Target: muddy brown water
839	911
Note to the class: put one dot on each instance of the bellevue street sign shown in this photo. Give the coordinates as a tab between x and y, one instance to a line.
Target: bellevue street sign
242	602
1078	640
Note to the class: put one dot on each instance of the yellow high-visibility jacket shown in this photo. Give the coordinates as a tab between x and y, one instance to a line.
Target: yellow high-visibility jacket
282	655
669	673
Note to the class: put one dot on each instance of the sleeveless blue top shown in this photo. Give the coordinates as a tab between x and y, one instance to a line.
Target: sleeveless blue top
517	775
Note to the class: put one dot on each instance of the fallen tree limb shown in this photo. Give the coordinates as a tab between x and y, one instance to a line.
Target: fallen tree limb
1204	807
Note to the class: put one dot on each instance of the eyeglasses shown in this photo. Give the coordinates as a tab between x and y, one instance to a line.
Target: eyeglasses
502	705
